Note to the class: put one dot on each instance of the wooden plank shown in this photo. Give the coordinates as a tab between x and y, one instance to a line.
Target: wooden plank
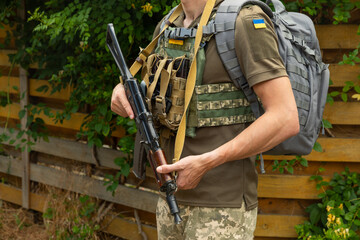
346	113
338	113
339	74
5	29
116	226
73	150
277	225
287	186
139	199
334	150
278	206
64	94
128	229
24	101
12	194
270	185
74	123
25	155
4	58
7	84
342	36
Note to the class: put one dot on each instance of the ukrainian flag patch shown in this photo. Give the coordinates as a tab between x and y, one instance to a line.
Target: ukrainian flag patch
259	23
176	42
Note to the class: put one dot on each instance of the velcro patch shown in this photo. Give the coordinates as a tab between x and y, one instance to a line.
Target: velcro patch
259	23
176	42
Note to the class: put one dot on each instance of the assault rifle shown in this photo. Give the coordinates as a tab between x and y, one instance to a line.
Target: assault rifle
145	126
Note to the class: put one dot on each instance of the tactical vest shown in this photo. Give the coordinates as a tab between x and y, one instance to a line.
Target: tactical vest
165	73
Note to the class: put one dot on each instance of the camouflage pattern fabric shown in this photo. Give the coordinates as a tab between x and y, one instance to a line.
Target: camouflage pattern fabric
215	88
205	223
206	122
215	105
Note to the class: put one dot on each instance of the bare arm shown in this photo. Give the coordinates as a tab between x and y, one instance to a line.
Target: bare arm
279	122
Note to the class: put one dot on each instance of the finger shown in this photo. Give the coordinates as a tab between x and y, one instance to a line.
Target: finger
168	168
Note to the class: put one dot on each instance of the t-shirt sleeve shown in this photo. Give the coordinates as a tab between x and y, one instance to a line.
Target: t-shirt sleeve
256	46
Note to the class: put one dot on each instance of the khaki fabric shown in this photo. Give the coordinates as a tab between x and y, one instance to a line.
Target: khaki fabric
231	183
203	223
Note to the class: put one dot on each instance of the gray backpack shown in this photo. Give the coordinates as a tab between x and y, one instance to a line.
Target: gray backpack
300	51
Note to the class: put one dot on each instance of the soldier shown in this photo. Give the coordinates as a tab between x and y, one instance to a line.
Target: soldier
217	179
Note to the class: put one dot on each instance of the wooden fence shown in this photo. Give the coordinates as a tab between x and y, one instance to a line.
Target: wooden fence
282	197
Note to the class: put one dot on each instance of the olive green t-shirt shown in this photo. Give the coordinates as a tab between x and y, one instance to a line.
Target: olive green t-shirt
229	184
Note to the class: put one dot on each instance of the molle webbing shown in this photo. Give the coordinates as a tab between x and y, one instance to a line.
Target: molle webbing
224	28
219	104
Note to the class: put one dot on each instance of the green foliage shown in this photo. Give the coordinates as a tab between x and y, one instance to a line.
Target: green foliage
325	11
337	216
289	165
67	40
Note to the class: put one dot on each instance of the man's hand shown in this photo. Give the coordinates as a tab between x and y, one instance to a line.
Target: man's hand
190	171
119	102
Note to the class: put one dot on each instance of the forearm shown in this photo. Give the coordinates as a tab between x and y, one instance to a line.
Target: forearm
266	132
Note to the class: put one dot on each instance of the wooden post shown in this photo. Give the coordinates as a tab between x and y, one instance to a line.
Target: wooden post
24	100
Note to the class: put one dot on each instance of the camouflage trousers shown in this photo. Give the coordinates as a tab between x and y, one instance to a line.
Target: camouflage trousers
205	223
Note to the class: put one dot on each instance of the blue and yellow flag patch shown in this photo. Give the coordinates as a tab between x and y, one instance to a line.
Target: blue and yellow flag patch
259	23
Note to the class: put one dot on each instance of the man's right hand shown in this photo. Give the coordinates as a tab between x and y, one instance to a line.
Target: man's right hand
119	102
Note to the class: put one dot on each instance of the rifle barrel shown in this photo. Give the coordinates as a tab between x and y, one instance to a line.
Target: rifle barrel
115	50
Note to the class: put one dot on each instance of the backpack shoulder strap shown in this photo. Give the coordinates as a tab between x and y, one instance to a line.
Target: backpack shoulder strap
224	28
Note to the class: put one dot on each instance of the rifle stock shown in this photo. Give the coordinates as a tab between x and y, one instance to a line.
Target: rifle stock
145	126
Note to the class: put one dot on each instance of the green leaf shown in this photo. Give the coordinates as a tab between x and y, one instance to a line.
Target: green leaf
357	89
119	161
98	127
315	215
327	124
334	93
317	147
349	216
290	169
103	110
344	97
357	222
22	113
125	170
106	130
304	162
43	88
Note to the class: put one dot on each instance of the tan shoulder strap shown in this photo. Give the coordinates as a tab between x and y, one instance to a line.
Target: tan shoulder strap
148	50
190	83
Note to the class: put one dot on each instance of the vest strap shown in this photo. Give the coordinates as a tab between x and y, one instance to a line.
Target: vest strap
180	136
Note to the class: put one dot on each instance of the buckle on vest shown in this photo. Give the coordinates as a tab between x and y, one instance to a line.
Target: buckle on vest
184	32
160	104
142	56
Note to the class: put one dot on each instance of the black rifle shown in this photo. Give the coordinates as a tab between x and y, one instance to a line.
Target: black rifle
144	123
